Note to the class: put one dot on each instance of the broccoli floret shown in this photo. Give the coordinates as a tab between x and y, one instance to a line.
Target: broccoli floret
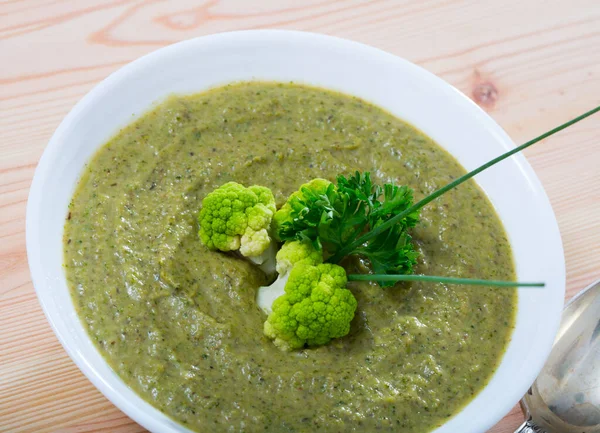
315	187
309	303
234	217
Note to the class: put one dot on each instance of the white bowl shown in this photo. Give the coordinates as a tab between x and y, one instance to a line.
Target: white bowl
404	89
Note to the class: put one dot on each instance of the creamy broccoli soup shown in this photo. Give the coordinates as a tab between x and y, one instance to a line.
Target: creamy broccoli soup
180	324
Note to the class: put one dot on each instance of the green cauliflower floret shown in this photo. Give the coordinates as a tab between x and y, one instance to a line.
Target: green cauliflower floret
291	253
308	304
294	252
316	186
234	217
315	307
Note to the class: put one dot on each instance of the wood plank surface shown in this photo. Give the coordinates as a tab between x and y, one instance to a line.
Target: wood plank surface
532	64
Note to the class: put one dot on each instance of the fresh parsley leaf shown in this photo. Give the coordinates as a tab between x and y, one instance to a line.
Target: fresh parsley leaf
335	219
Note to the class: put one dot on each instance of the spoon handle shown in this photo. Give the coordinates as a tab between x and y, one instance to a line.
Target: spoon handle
529	427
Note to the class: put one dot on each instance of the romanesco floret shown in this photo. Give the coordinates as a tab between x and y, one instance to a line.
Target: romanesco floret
291	253
309	303
234	217
316	186
315	308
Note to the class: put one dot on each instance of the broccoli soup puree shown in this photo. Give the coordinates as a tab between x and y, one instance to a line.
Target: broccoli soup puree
180	324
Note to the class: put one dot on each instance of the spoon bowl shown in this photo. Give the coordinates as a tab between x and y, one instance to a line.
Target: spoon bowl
565	398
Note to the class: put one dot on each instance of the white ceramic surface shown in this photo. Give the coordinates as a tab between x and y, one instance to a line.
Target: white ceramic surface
404	89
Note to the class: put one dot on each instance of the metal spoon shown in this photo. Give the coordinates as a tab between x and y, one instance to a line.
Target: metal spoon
565	398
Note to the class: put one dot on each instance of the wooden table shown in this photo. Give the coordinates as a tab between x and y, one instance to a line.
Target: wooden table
532	64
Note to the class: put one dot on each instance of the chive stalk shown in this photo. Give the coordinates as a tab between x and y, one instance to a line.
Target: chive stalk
445	280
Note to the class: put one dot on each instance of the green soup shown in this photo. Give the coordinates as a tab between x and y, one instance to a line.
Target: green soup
179	323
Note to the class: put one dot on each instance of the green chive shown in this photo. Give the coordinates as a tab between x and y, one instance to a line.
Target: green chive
446	280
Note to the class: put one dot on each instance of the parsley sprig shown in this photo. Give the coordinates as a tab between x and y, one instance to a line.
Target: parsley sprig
343	213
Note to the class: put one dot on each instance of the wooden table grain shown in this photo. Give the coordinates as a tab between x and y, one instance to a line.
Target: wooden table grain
531	64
